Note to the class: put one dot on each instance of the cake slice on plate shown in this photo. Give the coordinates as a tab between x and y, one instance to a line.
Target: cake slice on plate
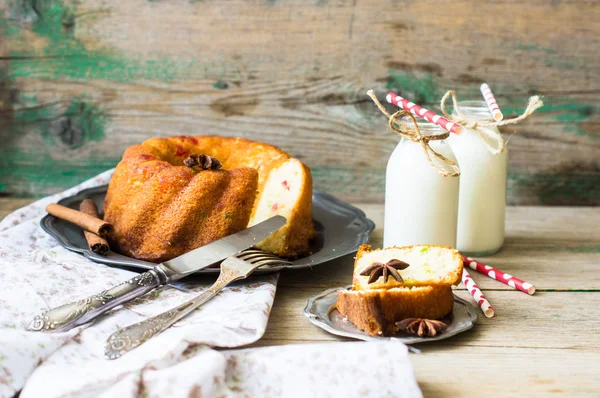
429	265
417	284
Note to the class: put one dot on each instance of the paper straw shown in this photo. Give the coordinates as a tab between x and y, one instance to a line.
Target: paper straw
421	112
500	276
485	305
490	100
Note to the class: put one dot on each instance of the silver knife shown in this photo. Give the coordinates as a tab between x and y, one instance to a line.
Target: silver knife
68	316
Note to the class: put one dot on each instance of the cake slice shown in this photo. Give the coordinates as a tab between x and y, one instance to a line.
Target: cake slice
428	265
418	284
376	311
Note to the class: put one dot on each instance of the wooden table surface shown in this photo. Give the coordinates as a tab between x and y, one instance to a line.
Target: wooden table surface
545	344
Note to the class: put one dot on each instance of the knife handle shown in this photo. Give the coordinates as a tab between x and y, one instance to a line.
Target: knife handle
68	316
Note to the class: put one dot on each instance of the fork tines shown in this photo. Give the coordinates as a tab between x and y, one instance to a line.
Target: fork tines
259	257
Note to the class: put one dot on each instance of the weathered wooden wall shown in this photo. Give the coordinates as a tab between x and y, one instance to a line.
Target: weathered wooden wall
81	81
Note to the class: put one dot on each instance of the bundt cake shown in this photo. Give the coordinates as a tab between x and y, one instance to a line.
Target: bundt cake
161	208
397	283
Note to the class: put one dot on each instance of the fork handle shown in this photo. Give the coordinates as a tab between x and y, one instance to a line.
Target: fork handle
132	336
67	316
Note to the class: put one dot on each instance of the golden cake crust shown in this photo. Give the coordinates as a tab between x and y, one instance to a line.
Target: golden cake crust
377	311
161	209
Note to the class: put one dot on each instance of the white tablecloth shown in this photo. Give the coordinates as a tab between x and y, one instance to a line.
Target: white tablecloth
37	274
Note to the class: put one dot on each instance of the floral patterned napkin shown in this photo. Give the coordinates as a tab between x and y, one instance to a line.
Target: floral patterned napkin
37	274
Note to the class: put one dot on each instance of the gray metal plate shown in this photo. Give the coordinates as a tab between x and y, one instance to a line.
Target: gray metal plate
340	230
321	312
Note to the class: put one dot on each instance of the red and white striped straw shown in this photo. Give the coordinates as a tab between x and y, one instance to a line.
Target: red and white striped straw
499	275
417	110
485	305
490	100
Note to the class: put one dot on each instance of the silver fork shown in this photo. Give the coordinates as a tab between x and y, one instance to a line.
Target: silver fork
233	268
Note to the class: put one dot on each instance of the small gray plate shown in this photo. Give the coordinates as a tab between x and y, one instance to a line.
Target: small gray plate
340	230
321	311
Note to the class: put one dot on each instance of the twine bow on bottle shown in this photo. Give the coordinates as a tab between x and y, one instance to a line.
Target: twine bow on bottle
441	164
483	127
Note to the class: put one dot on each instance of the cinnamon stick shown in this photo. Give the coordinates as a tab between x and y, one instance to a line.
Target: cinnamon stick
85	221
96	243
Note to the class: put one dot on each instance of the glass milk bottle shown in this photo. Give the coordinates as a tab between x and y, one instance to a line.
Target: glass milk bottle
421	205
482	199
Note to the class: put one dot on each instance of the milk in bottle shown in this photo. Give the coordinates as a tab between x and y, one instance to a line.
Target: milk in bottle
482	194
421	205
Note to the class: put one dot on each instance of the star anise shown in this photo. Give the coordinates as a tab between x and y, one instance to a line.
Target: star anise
390	268
203	162
421	327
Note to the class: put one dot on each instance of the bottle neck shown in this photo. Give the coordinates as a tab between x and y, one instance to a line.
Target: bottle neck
473	110
425	127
